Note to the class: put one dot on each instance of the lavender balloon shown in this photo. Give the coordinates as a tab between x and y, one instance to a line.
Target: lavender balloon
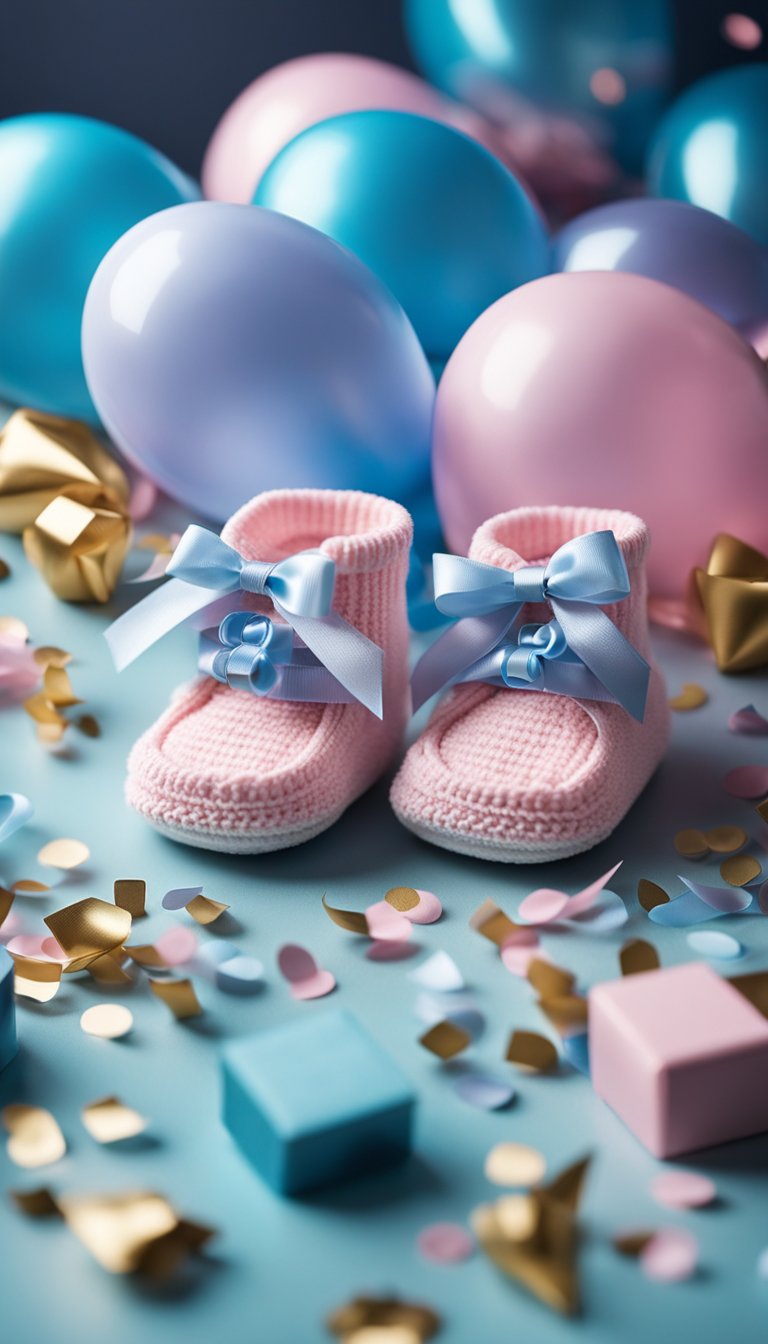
690	249
230	350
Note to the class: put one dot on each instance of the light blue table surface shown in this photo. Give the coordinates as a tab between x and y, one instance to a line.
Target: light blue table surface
277	1267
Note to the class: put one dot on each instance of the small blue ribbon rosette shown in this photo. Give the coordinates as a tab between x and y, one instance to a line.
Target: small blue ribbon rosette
252	653
204	568
579	653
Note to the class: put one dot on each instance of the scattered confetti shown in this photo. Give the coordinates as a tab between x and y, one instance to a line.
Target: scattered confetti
632	1244
445	1243
445	1039
89	928
420	907
484	1091
387	924
740	870
491	922
35	1138
638	956
576	1051
726	900
726	839
36	979
239	975
548	980
650	894
305	977
742	31
747	781
147	955
754	987
108	969
204	910
88	725
137	1231
179	897
15	811
373	1320
351	920
711	943
130	893
692	696
748	721
28	885
109	1120
387	950
108	1020
691	844
567	1013
529	1050
177	945
5	570
179	996
546	906
514	1164
683	1190
670	1256
63	854
36	1203
439	972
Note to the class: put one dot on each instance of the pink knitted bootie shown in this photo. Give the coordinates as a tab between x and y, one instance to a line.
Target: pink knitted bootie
231	765
506	770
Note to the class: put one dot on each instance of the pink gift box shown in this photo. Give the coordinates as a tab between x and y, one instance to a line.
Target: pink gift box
681	1056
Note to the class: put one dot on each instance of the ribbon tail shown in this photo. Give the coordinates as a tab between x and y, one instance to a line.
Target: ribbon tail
352	658
156	615
593	637
461	646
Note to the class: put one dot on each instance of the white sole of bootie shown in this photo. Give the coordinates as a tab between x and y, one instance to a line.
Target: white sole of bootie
497	851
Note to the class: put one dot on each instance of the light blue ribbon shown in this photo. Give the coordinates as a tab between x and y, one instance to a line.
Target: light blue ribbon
299	587
582	576
252	653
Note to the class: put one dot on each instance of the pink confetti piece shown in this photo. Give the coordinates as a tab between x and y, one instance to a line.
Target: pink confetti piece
387	924
683	1190
747	720
143	498
445	1243
52	948
19	673
178	945
670	1256
306	979
178	897
546	905
518	957
747	781
11	926
428	910
30	945
382	950
742	31
584	899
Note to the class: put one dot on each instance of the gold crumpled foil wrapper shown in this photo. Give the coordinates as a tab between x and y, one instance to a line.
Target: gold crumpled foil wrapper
40	455
79	543
733	592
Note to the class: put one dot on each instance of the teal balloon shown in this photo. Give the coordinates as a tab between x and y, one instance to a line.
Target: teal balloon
436	216
491	53
69	188
711	148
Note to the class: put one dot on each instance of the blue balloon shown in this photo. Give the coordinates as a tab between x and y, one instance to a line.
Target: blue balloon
685	247
231	350
443	223
711	148
69	187
607	64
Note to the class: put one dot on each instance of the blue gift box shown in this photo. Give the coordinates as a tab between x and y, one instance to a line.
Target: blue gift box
316	1100
8	1042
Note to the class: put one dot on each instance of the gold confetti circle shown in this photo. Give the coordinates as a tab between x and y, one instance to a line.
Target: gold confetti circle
514	1164
402	898
650	894
692	696
726	839
108	1020
740	870
64	854
691	844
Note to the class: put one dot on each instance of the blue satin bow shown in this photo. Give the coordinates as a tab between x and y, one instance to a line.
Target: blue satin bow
299	587
253	653
585	650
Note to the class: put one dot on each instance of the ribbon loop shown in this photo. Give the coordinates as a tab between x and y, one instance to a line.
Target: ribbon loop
535	644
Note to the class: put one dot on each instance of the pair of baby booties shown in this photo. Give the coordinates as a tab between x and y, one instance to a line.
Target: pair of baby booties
513	775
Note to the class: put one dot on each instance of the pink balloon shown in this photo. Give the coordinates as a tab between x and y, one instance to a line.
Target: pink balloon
611	391
280	104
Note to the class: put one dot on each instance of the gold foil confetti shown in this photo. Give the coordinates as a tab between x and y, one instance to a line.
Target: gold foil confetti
130	894
109	1120
79	542
650	894
36	979
57	688
529	1050
88	928
739	870
63	854
632	1244
108	969
51	724
354	921
5	570
692	696
402	898
38	1203
445	1040
147	955
40	455
548	980
178	995
108	1020
566	1012
637	956
204	910
514	1164
754	986
35	1138
732	593
48	655
370	1320
28	885
762	809
490	921
88	725
726	839
691	844
568	1186
135	1231
6	901
517	1216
